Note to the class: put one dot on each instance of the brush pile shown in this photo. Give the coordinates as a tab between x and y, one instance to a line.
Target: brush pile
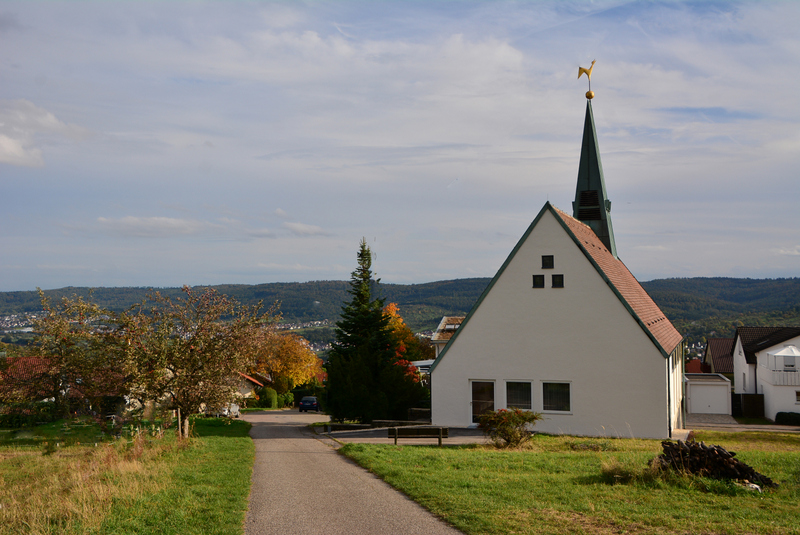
709	461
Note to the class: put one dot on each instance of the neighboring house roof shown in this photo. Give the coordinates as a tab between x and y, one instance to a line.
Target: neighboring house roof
694	366
630	293
719	353
25	368
755	339
446	329
255	381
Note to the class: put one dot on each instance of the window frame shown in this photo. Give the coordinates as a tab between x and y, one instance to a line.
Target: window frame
568	410
530	394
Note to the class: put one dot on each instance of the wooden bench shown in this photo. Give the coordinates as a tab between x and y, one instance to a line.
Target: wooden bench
419	432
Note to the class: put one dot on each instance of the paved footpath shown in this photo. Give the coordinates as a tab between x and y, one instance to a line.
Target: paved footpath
301	485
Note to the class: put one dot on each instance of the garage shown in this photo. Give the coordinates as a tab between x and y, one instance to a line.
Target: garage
707	393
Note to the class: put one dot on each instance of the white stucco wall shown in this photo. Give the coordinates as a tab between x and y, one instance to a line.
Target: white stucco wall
744	381
777	398
581	334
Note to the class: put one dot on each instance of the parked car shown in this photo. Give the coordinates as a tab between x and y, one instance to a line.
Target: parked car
309	403
228	411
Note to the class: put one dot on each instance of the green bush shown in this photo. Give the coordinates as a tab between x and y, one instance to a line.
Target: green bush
267	398
508	428
16	415
287	399
787	418
270	398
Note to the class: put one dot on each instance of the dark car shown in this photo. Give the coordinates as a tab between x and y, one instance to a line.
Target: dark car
309	403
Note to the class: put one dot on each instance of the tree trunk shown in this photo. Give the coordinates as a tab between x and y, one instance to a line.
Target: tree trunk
186	427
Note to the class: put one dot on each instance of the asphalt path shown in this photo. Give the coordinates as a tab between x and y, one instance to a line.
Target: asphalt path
302	485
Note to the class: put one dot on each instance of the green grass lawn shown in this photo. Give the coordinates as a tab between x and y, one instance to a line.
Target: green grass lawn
578	485
150	484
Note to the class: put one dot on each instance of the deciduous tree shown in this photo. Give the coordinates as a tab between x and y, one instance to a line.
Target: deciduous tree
287	358
191	350
73	357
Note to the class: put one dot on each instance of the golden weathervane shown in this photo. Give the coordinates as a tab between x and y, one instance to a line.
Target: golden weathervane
581	70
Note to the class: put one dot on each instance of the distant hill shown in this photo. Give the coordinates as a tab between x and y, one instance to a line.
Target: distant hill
699	307
421	305
701	297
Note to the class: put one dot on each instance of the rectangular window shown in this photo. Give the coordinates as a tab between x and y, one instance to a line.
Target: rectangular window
482	399
555	397
518	395
558	281
538	281
797	396
548	261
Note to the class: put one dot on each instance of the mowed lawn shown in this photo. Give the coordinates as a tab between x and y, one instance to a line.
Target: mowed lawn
561	484
145	483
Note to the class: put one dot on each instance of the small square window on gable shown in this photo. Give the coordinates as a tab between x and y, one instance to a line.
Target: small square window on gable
538	281
548	262
558	281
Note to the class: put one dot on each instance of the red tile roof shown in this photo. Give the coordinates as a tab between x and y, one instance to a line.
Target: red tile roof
719	353
630	292
443	333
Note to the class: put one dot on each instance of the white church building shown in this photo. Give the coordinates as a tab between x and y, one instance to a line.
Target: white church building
566	330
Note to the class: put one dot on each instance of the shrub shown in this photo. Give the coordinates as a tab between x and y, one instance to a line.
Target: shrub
267	398
18	415
287	399
508	428
787	418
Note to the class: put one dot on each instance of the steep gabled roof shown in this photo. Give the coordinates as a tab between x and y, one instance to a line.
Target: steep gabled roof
624	285
630	292
755	339
719	353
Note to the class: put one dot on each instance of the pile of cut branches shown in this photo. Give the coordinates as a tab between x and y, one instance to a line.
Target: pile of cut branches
710	461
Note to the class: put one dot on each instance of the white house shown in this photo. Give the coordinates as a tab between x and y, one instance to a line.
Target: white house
566	330
765	361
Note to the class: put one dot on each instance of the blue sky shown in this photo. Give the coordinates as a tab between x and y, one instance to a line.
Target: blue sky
169	143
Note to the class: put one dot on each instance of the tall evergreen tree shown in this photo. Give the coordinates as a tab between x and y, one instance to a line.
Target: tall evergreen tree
364	381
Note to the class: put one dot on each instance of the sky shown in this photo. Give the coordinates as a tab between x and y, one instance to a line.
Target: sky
163	143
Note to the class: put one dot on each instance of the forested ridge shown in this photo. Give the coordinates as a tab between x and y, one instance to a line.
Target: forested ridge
699	307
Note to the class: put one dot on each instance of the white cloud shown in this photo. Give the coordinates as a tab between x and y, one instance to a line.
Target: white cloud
789	251
153	227
301	229
21	124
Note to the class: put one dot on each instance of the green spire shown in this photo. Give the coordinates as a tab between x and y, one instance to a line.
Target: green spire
591	204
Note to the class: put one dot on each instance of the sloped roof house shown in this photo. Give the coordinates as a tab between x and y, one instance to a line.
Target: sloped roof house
565	329
766	361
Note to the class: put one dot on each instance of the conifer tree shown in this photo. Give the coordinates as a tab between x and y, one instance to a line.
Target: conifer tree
364	381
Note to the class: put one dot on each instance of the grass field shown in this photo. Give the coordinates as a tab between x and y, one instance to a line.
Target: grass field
563	484
57	479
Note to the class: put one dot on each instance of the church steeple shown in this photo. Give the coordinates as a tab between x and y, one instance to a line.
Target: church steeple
591	203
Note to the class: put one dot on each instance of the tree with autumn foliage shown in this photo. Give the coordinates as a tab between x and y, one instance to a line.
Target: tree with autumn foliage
366	381
410	346
73	359
286	358
189	351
